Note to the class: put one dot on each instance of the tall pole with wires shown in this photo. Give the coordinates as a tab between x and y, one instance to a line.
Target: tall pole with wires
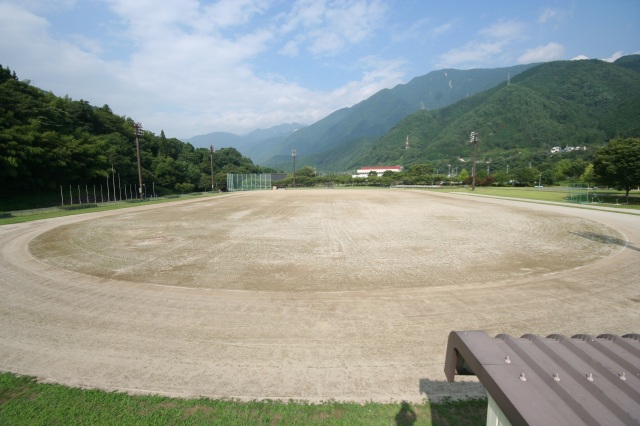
474	142
293	154
212	175
138	131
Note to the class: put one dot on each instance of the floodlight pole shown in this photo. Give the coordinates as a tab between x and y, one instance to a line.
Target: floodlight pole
212	180
474	142
138	131
293	154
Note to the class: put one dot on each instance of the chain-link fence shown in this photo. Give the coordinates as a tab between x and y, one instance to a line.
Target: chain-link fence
249	182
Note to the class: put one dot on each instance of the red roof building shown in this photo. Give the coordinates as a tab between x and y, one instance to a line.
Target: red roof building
364	171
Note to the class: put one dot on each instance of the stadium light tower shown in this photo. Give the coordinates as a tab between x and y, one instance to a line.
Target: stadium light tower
138	131
474	142
293	154
212	181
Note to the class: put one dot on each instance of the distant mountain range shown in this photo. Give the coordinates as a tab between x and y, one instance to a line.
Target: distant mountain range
531	107
367	120
259	142
564	103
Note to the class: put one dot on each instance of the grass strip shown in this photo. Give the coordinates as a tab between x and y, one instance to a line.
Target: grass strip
31	215
553	194
24	401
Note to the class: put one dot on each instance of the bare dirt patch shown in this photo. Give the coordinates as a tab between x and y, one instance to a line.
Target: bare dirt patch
311	295
325	241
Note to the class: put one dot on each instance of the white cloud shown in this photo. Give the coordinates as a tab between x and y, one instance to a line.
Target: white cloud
580	58
26	43
422	30
471	53
291	48
329	27
444	28
548	52
550	15
615	56
504	30
492	43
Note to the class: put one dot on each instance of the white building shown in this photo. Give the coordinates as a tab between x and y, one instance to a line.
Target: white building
365	171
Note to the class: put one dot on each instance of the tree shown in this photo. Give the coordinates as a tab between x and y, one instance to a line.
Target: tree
464	177
307	171
420	173
501	178
589	175
618	164
185	187
526	175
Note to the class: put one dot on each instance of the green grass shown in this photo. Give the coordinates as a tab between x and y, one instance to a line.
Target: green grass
47	213
608	198
554	194
24	401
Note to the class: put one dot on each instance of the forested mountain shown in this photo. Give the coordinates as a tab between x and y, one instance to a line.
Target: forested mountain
348	128
47	141
557	104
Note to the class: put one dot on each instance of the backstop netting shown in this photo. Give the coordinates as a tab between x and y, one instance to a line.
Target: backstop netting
582	194
248	182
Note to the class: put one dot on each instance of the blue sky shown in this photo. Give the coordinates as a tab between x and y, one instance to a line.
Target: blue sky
191	67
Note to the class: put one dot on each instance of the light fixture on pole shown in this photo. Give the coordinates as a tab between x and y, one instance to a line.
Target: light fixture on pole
212	180
138	131
293	154
474	142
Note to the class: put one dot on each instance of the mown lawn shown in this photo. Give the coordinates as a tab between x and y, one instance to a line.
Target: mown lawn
559	195
24	401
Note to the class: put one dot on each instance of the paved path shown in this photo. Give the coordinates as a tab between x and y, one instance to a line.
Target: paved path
312	295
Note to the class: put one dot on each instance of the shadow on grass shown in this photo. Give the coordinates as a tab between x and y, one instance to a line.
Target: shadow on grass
406	416
470	409
606	239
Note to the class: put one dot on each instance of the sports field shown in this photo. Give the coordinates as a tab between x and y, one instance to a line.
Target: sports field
308	295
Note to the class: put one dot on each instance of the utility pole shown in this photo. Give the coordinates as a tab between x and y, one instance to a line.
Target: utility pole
138	131
113	180
293	154
212	180
474	142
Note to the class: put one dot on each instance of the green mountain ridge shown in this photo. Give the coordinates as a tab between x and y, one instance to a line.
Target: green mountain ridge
564	103
323	143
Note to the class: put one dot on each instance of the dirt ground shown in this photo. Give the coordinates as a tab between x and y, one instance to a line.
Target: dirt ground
308	295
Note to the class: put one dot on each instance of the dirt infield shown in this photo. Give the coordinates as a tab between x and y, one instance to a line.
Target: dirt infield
312	295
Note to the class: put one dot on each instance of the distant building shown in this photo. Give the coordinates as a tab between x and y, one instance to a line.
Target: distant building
365	171
557	149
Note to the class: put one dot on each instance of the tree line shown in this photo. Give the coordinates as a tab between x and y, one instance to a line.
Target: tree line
615	165
48	141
